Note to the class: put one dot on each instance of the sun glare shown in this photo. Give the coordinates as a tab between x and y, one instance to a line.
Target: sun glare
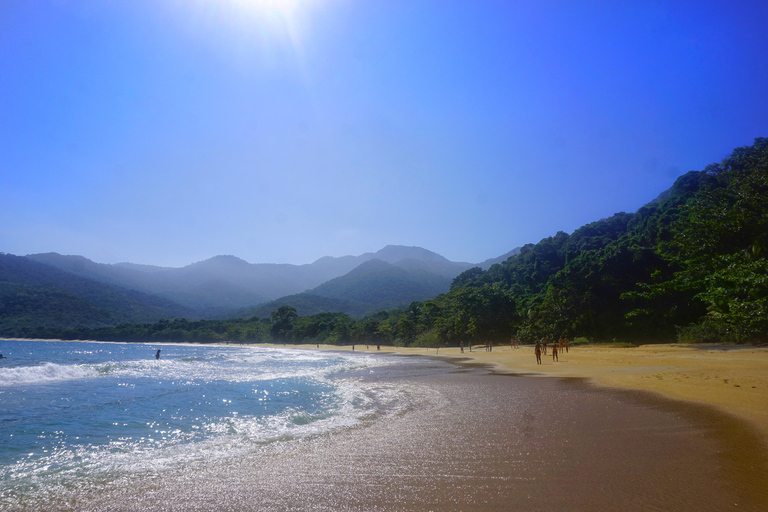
275	23
286	8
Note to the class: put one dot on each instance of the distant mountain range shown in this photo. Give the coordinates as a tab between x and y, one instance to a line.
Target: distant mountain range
43	288
34	295
226	282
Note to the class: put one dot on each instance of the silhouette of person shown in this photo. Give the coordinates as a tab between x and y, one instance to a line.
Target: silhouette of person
157	356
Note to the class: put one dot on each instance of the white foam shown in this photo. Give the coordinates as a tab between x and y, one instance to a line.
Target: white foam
48	372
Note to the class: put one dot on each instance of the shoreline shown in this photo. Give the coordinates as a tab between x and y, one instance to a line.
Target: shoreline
730	378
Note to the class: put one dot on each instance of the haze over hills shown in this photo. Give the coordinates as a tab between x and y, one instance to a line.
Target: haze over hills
54	291
372	286
501	259
227	282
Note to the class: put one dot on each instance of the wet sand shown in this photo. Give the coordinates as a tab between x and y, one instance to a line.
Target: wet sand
474	441
732	379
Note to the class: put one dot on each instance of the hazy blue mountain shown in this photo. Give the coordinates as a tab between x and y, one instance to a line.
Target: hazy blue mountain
306	304
504	257
227	282
372	286
383	285
34	295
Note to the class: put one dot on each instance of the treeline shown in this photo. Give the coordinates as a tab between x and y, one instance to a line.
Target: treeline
283	325
691	265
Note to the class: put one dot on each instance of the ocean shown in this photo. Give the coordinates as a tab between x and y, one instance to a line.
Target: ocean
76	416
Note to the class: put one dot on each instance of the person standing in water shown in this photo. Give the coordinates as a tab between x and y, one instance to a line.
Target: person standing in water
157	355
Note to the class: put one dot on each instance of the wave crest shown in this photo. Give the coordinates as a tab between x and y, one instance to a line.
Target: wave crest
49	372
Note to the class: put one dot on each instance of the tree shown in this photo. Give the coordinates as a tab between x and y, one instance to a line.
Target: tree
282	322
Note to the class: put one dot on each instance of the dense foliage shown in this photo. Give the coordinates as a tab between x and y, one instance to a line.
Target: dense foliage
693	264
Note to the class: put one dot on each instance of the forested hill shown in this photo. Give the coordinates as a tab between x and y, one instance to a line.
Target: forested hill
34	296
693	262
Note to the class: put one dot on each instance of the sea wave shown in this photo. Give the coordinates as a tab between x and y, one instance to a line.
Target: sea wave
48	372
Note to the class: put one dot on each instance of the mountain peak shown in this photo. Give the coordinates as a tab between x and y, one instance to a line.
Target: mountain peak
222	260
396	253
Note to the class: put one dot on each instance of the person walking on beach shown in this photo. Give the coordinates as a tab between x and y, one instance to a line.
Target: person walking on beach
461	346
567	344
537	351
544	345
554	353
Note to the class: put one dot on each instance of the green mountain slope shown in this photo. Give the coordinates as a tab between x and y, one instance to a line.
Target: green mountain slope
694	257
35	296
306	304
372	286
381	285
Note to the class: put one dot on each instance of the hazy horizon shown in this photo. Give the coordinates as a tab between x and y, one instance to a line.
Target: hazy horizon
264	262
166	132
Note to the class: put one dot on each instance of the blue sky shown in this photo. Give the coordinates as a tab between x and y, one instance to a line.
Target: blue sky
169	131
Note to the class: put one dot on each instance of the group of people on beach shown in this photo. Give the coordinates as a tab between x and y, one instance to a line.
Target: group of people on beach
557	346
